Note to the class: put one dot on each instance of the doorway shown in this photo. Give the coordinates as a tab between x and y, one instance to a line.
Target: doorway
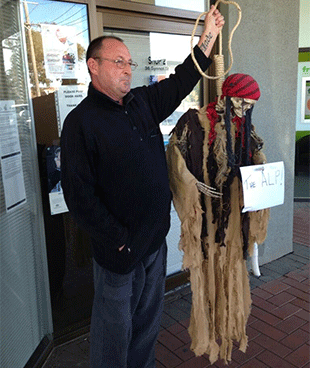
59	80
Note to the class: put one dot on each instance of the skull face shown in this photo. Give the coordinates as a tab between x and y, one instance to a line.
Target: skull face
241	105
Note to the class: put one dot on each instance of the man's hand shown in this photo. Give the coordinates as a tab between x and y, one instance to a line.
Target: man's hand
214	22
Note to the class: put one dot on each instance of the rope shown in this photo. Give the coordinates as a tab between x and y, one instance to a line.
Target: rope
219	71
217	58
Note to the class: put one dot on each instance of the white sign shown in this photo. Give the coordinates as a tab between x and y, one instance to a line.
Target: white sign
263	186
60	51
9	138
11	157
56	196
57	203
66	99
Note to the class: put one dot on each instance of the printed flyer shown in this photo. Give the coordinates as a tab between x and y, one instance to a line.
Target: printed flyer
56	197
11	157
60	51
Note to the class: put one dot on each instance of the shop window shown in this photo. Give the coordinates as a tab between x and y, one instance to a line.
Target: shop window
57	37
24	296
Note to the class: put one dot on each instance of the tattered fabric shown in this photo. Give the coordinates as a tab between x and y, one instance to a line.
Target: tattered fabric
221	300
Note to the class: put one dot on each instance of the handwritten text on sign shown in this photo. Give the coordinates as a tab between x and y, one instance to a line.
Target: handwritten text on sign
263	186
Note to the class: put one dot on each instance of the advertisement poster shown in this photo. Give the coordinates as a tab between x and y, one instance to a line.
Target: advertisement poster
56	197
11	157
60	51
66	98
306	115
263	186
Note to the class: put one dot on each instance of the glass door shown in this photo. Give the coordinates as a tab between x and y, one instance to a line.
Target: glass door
25	318
57	36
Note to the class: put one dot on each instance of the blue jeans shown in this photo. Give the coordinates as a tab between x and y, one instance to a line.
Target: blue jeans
127	313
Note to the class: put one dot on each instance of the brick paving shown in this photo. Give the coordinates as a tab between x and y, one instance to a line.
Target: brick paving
278	327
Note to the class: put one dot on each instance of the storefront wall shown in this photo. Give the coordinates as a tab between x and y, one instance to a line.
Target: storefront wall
265	46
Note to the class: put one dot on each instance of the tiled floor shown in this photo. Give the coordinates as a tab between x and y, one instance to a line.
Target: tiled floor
278	328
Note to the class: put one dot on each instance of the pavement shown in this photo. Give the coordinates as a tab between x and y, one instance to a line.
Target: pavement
278	327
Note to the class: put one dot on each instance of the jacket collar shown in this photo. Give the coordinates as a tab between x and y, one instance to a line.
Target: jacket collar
102	98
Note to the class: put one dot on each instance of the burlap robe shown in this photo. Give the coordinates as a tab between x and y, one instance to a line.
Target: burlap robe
221	299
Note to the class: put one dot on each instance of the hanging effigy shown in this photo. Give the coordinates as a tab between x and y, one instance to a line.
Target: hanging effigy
205	152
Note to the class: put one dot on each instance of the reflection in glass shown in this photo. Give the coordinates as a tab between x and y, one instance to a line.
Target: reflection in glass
57	39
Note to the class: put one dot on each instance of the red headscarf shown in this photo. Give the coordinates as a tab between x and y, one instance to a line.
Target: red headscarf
241	85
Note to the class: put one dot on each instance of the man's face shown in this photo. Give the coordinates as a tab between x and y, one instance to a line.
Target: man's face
241	105
107	77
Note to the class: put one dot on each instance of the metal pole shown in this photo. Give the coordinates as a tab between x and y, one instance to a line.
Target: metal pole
32	54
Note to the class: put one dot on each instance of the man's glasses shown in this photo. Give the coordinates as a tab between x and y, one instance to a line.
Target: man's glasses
120	63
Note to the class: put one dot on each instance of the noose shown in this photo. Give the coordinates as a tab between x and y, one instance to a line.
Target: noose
219	58
220	105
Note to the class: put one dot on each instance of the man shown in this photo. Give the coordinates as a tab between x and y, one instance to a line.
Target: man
115	182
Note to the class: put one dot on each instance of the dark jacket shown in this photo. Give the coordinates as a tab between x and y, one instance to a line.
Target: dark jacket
114	173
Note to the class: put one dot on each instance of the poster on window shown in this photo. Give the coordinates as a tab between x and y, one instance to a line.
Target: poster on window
60	51
9	136
13	181
305	113
56	197
11	157
66	99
